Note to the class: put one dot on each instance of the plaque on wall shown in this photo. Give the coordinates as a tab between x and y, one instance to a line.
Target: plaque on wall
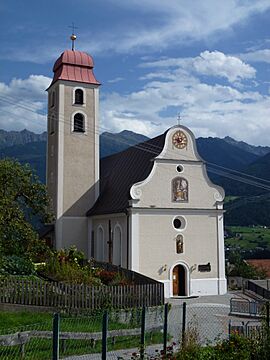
204	268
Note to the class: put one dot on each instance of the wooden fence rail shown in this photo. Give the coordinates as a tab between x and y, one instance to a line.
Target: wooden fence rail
23	337
60	295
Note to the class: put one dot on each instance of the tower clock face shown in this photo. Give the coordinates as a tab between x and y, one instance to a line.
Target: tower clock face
179	140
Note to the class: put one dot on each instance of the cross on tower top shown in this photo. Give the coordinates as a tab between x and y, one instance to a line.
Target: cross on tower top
73	37
178	118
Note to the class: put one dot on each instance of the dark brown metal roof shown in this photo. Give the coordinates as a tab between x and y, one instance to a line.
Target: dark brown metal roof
120	171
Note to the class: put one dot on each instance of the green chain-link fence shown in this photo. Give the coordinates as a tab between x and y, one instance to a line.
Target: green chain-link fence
124	334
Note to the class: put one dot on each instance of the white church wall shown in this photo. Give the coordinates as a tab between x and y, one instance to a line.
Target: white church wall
200	210
79	166
119	229
157	243
157	190
215	286
157	249
74	232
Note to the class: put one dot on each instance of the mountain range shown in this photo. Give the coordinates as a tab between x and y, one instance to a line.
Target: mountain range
226	159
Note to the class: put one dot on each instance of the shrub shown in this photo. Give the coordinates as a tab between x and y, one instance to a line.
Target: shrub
107	277
69	265
58	270
15	265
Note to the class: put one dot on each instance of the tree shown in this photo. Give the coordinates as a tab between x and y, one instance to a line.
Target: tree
23	204
236	266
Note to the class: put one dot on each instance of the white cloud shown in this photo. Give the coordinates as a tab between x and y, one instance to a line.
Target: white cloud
175	21
115	80
23	104
214	63
141	26
209	109
218	64
262	55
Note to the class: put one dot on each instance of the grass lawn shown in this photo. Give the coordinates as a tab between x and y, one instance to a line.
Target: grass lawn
249	238
41	349
11	320
43	321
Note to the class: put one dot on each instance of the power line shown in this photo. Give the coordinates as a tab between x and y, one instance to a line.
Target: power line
156	150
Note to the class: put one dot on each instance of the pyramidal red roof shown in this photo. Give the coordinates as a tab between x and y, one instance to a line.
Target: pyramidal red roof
74	66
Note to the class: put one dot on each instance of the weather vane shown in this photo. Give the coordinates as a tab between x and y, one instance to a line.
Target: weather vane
73	37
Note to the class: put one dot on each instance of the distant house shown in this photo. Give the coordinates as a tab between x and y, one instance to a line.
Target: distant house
150	208
261	264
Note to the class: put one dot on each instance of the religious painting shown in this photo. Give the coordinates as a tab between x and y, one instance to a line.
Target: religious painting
179	244
179	190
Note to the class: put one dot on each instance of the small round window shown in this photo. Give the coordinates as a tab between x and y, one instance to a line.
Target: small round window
179	168
179	223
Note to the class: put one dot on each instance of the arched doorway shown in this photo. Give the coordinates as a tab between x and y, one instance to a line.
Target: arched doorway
179	281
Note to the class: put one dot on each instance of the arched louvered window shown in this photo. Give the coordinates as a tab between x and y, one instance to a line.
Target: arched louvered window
53	99
78	124
117	246
79	96
99	244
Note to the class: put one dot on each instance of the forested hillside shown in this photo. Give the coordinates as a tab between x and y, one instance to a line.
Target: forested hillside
251	205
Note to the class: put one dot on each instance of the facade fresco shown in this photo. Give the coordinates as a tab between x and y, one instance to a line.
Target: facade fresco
179	190
179	244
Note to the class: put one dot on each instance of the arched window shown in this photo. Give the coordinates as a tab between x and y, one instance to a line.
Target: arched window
52	124
53	99
78	123
179	190
117	246
79	96
99	244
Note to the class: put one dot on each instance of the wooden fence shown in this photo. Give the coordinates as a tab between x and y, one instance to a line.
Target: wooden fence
65	296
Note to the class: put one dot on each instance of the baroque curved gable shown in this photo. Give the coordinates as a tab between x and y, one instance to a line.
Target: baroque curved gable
179	176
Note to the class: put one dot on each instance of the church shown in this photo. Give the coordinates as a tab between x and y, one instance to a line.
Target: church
150	208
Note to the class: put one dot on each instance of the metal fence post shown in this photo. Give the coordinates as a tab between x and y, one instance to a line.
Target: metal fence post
104	335
56	327
267	314
142	345
184	323
165	329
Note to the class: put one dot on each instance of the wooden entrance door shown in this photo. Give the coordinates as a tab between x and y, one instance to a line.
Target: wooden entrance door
179	281
175	281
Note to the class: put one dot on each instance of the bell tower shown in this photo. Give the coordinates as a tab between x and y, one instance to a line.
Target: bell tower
73	146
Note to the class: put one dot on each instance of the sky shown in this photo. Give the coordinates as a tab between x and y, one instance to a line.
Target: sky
207	60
